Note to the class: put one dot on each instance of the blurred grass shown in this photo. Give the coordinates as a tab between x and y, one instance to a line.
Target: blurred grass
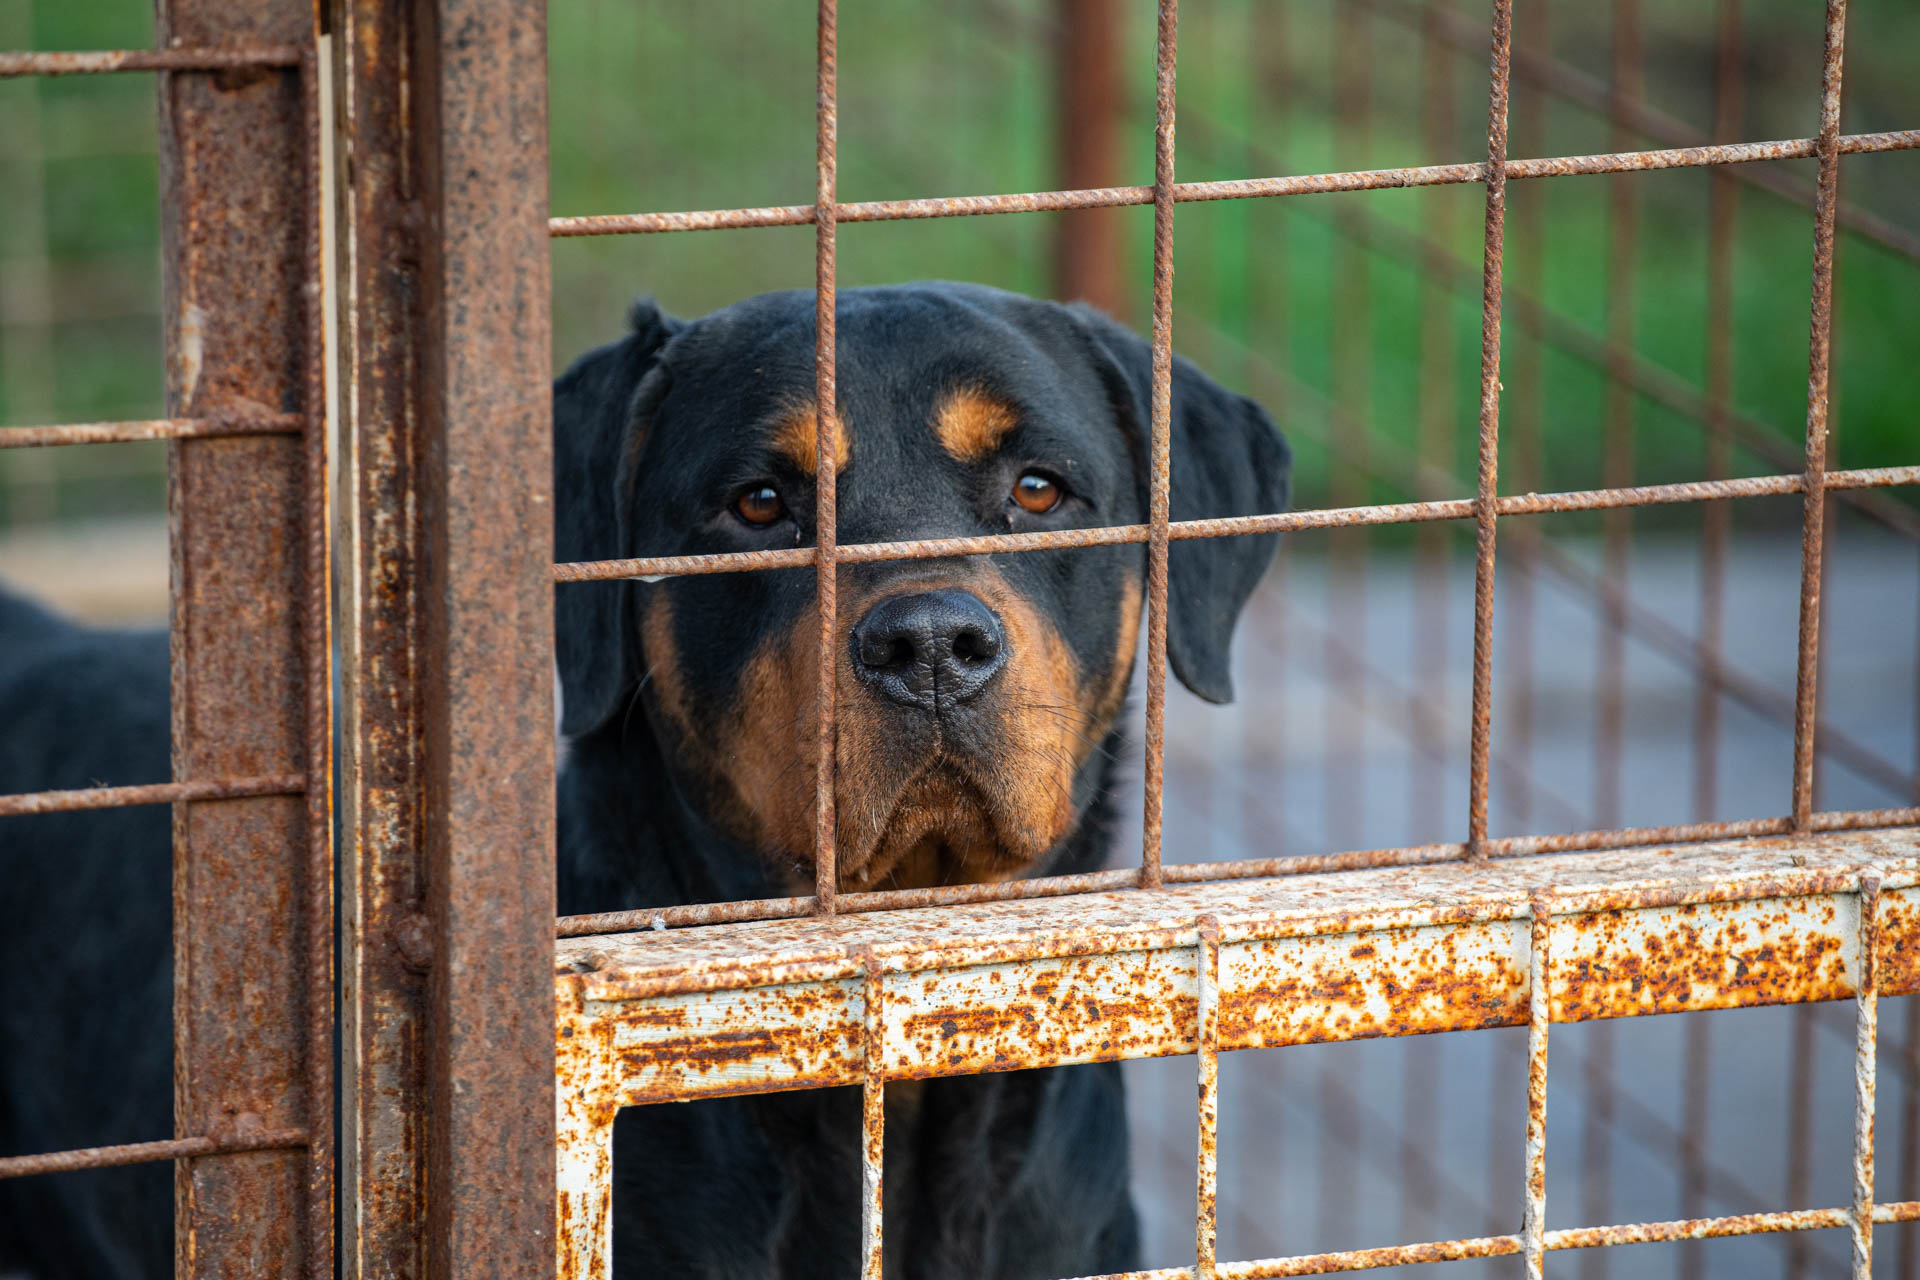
668	104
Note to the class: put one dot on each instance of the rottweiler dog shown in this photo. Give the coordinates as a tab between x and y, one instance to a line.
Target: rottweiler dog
980	707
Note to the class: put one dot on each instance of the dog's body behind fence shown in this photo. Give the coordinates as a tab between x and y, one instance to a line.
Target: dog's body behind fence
86	1052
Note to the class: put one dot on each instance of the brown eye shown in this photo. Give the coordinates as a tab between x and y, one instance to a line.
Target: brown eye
760	507
1036	492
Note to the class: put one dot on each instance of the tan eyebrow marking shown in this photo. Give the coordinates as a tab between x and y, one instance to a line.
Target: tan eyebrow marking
796	438
971	424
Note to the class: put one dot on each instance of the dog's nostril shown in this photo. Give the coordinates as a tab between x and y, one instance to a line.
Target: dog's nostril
974	646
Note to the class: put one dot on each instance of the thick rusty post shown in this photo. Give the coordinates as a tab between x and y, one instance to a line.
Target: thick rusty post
384	942
486	450
446	537
252	877
1089	98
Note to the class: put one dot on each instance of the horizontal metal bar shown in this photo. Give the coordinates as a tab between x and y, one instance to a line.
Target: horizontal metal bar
1282	522
105	61
32	802
148	1152
706	913
754	1008
152	429
631	970
1743	1224
796	215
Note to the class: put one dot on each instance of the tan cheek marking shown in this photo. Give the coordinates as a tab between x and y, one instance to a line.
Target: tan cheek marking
970	425
1048	724
770	742
767	746
796	438
663	662
1121	673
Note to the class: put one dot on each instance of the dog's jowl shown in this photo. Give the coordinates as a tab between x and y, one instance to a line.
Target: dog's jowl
979	716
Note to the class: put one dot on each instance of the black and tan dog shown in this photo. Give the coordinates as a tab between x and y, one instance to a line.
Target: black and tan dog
979	717
979	701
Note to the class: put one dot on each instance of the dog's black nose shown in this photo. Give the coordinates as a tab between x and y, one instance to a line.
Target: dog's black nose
929	650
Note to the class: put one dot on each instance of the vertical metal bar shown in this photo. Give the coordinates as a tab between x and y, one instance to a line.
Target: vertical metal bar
317	640
1533	1223
1160	469
1908	1262
251	876
1206	1218
1826	199
826	435
483	360
1090	98
1489	464
873	1117
385	939
1866	1036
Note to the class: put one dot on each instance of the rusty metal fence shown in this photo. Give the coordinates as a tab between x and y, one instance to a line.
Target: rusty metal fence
1627	928
456	1012
251	704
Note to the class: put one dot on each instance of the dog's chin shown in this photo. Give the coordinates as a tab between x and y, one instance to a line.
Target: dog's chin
943	828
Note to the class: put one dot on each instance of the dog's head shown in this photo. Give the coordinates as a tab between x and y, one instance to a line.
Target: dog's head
975	694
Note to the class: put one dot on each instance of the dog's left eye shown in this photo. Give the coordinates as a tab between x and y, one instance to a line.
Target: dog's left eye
1037	492
760	507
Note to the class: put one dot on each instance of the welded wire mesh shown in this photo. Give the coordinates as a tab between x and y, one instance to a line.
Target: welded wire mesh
1538	575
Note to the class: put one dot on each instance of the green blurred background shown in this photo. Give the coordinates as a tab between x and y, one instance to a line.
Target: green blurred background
1368	300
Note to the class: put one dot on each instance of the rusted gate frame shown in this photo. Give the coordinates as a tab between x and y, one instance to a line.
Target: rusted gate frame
253	871
444	533
587	1200
750	1008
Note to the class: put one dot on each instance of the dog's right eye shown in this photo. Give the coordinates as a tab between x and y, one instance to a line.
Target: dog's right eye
760	507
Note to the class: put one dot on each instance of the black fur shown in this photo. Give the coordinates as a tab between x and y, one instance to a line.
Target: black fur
86	1039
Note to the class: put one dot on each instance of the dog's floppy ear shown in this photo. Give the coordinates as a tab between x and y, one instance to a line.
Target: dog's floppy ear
1228	460
598	406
